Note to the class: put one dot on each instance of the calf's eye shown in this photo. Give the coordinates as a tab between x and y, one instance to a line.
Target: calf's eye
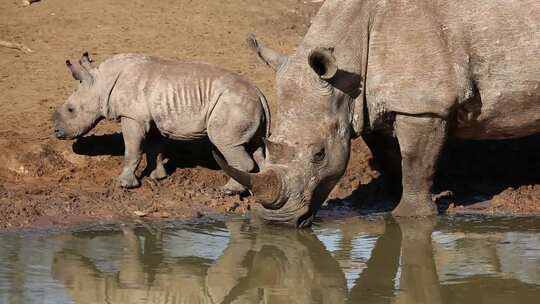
318	154
71	109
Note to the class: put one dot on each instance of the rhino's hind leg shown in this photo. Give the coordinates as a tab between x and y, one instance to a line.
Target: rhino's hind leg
133	133
420	141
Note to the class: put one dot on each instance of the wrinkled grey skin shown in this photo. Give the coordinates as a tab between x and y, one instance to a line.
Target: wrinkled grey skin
405	75
185	101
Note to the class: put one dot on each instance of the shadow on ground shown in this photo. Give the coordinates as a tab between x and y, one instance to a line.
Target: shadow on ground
181	154
474	172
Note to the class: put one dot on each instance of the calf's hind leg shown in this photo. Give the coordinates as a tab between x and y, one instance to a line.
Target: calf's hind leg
232	125
154	157
238	158
159	172
420	141
133	133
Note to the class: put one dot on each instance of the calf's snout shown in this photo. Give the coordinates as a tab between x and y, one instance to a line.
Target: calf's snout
59	133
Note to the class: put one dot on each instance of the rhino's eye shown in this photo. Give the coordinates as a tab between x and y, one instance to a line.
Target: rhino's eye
70	109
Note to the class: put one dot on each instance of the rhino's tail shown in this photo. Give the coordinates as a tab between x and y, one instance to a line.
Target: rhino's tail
266	110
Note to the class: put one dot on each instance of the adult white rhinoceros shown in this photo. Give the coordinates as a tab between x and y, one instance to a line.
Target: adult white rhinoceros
413	70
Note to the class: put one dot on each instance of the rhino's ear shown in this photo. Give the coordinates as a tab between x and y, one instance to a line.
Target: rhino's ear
323	62
267	55
79	73
86	62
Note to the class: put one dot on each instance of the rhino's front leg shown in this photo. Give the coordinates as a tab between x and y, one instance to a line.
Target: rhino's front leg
134	134
420	142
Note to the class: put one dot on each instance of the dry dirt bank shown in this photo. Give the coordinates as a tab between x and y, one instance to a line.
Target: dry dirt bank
44	181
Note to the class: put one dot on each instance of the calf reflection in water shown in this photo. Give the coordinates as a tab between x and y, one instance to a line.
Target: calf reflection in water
266	265
262	266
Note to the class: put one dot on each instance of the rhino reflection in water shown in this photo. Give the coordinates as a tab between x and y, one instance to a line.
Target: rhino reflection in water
266	265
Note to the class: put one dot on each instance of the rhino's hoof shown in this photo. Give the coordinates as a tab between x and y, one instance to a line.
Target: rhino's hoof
158	174
130	182
424	209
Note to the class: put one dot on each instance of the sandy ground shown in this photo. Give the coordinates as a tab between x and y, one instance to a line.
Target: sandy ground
44	181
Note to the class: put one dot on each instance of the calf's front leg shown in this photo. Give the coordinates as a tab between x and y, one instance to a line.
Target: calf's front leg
420	142
134	134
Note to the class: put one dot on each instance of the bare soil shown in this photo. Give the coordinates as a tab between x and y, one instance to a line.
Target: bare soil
46	182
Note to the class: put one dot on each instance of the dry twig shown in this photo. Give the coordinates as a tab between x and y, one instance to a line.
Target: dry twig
13	45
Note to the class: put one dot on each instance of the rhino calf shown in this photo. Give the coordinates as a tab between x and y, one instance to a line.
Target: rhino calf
184	101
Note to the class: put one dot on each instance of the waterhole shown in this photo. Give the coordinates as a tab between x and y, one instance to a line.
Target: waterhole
360	260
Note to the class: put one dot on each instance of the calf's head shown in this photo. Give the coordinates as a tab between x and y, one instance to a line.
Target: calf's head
309	148
82	110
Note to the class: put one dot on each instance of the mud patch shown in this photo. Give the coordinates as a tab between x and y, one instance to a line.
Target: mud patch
25	159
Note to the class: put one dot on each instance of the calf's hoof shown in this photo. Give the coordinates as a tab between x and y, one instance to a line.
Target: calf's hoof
421	208
129	181
233	188
158	173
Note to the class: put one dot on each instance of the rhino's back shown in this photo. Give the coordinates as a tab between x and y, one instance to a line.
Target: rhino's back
496	47
177	96
479	57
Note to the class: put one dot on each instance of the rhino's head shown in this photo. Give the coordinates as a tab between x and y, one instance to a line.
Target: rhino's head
82	110
309	148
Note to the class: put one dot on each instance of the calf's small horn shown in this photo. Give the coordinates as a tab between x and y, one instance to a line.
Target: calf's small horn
265	185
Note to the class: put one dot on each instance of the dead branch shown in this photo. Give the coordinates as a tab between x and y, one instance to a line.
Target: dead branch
13	45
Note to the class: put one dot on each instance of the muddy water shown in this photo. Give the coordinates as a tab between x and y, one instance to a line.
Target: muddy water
375	260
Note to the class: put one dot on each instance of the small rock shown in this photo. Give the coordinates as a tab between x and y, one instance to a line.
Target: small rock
140	213
28	2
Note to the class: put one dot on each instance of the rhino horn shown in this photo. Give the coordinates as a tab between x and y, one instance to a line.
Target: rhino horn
265	185
79	73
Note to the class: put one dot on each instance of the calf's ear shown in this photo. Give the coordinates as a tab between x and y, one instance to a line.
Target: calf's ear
323	62
86	62
268	56
79	73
